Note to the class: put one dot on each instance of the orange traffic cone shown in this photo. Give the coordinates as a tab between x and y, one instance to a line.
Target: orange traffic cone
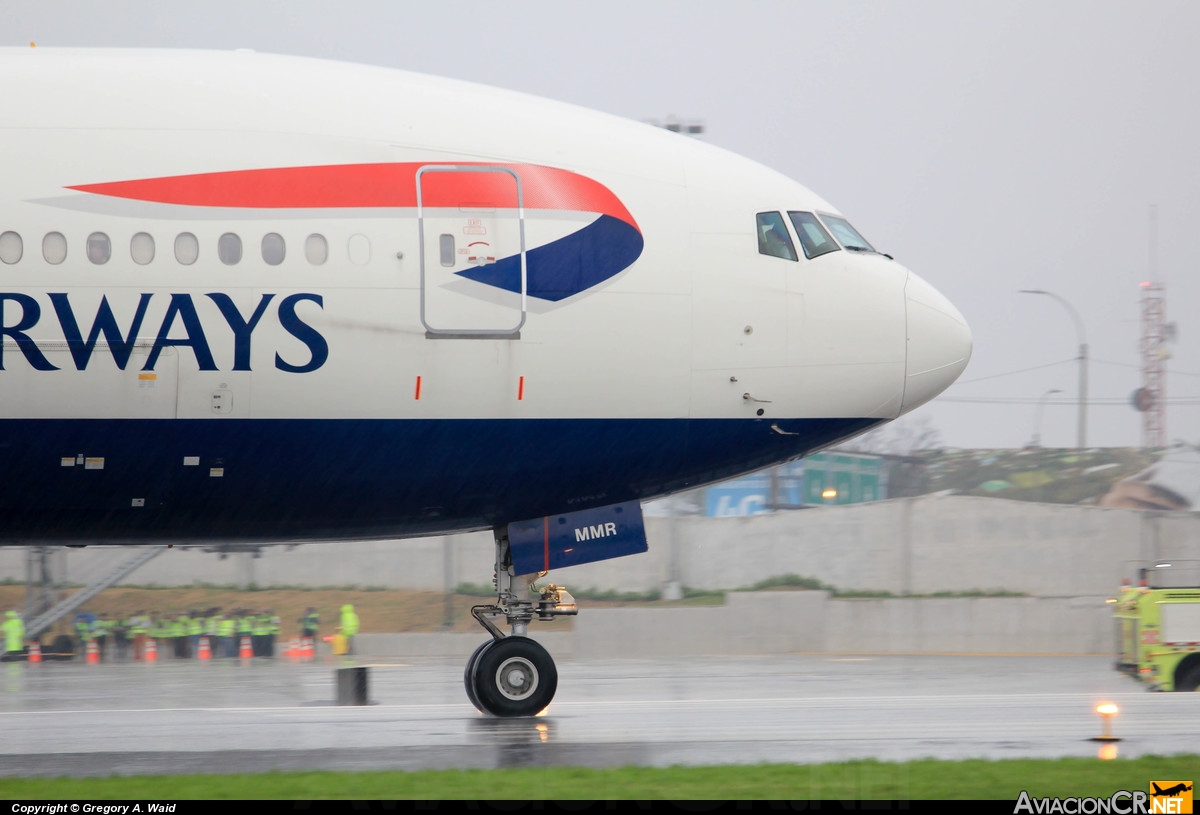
205	652
151	650
307	654
35	651
245	651
293	651
93	653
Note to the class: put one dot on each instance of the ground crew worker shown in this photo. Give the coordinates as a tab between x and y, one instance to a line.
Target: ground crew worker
165	635
121	637
226	626
83	630
195	630
212	630
260	622
179	635
349	626
245	626
100	628
273	629
308	624
158	630
14	637
139	626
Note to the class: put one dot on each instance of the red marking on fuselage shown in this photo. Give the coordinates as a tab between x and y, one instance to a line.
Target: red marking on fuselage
340	186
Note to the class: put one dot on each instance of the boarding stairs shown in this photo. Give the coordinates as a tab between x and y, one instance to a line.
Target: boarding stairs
41	623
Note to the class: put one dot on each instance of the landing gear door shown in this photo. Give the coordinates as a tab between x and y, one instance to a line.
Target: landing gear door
472	236
586	536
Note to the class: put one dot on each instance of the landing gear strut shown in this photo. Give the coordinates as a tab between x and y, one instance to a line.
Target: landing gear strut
513	675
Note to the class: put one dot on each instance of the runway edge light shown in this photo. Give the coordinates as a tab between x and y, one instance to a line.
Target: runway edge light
1108	712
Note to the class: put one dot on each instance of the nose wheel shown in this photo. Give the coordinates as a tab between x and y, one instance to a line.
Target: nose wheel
513	676
469	676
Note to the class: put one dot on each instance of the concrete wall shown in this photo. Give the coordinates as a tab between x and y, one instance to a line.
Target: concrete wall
918	546
932	544
790	621
1066	559
784	622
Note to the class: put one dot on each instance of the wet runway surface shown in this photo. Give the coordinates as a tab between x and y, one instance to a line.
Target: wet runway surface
221	717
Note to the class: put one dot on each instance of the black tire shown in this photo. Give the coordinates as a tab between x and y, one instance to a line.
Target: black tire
515	677
1188	676
469	679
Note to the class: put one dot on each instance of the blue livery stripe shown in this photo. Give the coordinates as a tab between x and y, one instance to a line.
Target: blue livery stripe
569	265
308	479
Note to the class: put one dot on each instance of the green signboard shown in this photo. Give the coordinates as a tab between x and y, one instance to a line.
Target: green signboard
831	478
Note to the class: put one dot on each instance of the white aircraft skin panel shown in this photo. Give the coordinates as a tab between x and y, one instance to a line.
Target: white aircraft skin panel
849	310
820	390
718	188
370	108
721	338
740	316
462	379
657	347
939	345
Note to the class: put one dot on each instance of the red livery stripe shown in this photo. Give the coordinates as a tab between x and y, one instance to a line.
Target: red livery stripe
371	185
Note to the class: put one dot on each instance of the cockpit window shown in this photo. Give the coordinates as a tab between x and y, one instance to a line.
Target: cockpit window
773	237
847	235
813	238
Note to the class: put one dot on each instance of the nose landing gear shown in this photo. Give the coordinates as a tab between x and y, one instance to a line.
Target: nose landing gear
514	675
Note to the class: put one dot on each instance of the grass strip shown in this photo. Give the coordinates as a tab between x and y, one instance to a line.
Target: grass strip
845	781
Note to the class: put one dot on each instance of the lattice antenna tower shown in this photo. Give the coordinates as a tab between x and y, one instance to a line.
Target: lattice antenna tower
1156	333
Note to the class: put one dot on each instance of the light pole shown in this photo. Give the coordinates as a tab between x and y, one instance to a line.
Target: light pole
1083	355
1036	441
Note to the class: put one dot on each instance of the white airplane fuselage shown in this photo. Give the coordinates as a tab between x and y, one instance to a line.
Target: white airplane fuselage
253	297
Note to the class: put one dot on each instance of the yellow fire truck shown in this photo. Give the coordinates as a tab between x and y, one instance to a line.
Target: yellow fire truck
1159	635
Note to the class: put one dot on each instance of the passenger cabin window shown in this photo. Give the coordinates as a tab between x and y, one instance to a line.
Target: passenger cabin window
187	248
54	248
273	248
847	235
99	248
814	240
773	237
141	248
446	249
229	249
11	247
316	249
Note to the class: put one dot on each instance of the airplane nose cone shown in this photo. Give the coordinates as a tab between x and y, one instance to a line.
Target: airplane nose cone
939	343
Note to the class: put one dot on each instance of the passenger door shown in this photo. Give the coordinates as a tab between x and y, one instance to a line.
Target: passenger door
472	242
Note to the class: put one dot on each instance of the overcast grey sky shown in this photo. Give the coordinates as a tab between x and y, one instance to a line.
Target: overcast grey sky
989	146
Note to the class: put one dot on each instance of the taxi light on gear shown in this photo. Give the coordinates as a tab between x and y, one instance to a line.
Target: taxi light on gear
829	493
